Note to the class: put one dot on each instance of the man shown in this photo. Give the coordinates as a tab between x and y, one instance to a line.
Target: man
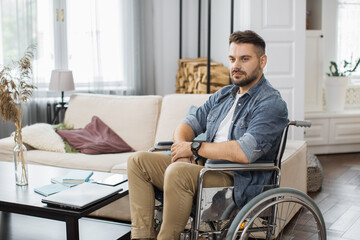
243	124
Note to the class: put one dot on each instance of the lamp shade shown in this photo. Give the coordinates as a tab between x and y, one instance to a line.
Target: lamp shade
61	80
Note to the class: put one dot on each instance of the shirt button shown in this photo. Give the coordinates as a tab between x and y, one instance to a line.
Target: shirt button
239	104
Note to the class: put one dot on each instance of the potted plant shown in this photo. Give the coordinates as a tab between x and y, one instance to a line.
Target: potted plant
15	90
336	82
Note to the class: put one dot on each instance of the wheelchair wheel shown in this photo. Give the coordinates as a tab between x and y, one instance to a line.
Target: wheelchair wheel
281	213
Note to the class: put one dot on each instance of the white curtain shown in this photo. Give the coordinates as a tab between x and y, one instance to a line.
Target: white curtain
348	32
108	46
139	47
16	27
17	33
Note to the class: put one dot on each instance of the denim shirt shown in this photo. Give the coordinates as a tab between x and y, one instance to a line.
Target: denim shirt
259	119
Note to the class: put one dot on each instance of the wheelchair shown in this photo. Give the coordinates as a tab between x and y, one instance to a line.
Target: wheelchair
276	213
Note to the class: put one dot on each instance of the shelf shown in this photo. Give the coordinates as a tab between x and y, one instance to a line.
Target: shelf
313	14
333	132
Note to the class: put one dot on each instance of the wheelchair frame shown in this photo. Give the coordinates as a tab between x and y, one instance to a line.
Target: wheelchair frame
242	225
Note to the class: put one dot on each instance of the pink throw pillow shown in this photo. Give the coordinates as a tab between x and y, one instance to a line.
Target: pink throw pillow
95	138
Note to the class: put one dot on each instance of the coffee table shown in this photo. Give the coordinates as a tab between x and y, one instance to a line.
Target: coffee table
24	201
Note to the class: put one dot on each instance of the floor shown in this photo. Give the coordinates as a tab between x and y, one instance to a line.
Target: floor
339	197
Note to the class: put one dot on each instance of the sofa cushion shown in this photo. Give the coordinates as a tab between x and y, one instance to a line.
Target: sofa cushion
95	138
98	162
62	126
6	149
134	118
42	136
173	110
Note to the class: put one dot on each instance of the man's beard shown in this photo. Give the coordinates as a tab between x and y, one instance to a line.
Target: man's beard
248	78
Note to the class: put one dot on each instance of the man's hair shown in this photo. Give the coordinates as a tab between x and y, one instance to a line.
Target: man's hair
249	36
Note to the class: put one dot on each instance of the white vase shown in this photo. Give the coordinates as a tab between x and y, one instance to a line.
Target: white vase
335	88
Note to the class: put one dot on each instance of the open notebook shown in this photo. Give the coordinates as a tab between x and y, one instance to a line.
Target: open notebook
81	196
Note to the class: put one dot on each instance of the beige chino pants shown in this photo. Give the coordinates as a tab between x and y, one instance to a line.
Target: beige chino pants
178	181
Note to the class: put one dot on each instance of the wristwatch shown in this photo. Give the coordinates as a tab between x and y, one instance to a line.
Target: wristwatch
195	146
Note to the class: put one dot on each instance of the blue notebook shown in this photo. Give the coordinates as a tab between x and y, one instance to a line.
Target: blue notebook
50	189
77	176
73	177
59	180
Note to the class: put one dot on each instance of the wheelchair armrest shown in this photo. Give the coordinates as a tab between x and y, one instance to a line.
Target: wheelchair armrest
161	146
239	165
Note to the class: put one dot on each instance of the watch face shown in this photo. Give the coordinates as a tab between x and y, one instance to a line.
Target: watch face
195	145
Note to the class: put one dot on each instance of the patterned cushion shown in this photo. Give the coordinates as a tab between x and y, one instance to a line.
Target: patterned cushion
315	173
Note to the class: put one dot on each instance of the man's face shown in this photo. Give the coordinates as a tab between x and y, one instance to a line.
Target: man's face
245	66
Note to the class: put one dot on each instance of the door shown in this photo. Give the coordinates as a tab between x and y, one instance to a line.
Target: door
282	24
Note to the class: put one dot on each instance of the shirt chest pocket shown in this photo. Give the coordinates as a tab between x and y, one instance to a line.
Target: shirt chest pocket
240	127
242	123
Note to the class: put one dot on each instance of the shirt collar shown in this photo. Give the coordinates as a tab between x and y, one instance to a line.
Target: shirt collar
252	90
234	91
256	87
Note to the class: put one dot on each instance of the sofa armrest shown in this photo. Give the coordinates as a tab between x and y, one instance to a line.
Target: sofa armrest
6	149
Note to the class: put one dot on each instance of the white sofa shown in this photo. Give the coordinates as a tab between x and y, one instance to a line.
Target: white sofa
140	121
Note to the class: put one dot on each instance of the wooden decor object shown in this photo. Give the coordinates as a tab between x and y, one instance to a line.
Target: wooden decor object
192	76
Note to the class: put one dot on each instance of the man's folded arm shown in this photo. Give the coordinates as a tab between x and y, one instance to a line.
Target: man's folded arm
229	150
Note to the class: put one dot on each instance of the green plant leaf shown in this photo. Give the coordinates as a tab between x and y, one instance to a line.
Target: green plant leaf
345	70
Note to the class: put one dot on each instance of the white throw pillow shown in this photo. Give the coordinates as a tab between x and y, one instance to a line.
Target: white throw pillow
42	136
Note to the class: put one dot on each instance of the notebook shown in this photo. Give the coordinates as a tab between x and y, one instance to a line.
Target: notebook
81	196
59	180
50	189
77	176
73	177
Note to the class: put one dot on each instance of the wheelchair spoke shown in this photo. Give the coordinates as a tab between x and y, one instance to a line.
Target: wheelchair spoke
287	216
283	216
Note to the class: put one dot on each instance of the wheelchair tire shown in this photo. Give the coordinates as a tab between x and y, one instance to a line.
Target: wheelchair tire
296	217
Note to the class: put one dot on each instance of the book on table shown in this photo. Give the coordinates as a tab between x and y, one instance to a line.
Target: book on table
50	189
59	180
73	177
60	183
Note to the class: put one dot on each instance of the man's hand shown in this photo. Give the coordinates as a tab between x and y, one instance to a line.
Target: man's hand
181	152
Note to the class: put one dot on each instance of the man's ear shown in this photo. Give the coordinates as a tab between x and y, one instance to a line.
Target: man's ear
263	61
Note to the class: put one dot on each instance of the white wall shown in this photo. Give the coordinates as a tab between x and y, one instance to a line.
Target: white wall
329	29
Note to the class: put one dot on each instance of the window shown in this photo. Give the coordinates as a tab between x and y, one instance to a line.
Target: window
17	30
348	33
95	32
85	36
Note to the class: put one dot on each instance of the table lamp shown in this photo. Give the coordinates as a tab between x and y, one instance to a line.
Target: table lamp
61	80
